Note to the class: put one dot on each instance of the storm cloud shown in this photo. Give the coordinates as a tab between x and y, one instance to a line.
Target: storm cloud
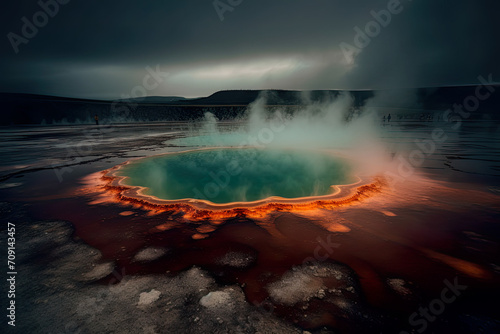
101	49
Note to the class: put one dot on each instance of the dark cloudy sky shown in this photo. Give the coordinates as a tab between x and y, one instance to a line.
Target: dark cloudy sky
100	49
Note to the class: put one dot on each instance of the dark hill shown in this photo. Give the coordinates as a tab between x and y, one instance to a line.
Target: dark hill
41	109
274	97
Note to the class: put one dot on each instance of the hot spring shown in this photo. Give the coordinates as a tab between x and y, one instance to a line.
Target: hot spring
229	175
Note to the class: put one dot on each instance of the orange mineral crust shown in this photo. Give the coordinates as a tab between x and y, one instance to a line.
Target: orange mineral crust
109	187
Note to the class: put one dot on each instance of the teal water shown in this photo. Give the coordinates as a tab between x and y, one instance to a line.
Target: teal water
234	175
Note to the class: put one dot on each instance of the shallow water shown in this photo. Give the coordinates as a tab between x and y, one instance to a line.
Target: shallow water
238	175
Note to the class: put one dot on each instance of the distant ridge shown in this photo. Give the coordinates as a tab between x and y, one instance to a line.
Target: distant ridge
18	108
274	97
156	99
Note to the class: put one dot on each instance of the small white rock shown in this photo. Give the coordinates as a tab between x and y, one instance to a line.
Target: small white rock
148	298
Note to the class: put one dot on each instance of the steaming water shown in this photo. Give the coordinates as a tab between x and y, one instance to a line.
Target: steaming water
234	175
321	125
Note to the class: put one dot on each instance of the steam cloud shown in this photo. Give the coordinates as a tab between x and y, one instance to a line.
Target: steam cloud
333	125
